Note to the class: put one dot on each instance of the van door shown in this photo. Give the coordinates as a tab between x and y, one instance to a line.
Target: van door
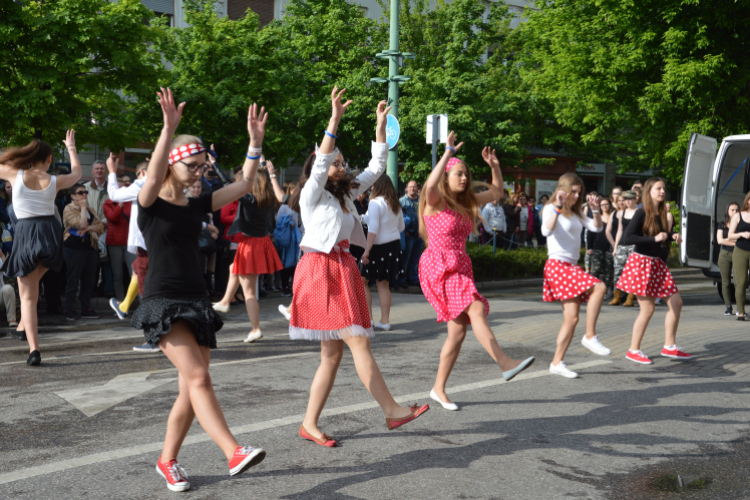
696	214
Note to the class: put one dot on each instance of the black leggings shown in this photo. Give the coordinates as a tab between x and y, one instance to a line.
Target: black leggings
286	274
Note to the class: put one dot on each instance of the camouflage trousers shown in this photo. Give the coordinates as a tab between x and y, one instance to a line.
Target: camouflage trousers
602	267
623	252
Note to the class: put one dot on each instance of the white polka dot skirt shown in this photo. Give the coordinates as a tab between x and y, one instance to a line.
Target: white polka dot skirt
647	277
329	301
563	281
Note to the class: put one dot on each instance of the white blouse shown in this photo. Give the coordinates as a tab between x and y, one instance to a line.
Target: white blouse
564	243
381	220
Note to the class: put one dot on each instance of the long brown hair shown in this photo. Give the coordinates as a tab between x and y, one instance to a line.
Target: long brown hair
263	190
384	187
22	158
464	203
566	183
650	224
339	189
602	198
746	203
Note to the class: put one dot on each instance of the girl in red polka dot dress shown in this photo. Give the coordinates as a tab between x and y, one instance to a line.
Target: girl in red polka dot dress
448	211
329	303
564	280
646	274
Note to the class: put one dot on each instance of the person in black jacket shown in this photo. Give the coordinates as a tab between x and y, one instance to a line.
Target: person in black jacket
646	274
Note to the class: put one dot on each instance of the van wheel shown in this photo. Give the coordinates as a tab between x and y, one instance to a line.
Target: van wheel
731	291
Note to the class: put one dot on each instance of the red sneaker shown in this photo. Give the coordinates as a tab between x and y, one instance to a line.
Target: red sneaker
638	357
177	479
324	441
244	458
416	411
676	353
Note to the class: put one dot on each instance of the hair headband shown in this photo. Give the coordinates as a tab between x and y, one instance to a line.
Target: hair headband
191	149
452	162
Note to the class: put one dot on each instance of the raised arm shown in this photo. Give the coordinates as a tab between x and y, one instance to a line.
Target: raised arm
594	225
431	188
158	165
552	212
497	178
377	164
256	129
66	180
115	192
275	182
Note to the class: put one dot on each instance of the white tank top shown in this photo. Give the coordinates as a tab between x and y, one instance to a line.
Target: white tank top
33	202
347	225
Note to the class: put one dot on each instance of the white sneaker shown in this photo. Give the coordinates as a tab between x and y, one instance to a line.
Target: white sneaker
283	310
380	326
562	370
595	346
220	308
252	337
447	406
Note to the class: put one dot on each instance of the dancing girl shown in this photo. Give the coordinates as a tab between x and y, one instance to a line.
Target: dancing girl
562	222
726	253
328	303
175	313
38	238
646	274
448	213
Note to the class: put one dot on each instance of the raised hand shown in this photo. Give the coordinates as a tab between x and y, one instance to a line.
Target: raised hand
490	158
382	112
256	124
560	198
113	163
338	108
269	167
70	139
172	114
451	142
593	201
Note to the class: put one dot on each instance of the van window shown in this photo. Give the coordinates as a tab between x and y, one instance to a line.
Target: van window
732	190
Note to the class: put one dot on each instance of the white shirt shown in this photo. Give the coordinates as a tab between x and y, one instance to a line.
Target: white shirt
123	195
381	220
33	202
347	225
494	218
564	243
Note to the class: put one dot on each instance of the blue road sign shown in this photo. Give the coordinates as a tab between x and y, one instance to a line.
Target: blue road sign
392	131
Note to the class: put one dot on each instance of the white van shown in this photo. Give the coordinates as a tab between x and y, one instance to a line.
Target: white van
711	181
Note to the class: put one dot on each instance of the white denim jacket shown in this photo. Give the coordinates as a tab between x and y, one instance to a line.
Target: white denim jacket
321	211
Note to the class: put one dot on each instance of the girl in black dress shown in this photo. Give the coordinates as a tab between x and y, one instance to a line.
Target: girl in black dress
175	313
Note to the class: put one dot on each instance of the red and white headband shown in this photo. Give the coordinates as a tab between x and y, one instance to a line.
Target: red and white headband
183	152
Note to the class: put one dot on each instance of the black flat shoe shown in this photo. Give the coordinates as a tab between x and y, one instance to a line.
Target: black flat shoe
35	359
19	335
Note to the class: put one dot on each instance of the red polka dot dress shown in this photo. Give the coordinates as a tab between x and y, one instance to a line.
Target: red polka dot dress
563	281
647	277
445	271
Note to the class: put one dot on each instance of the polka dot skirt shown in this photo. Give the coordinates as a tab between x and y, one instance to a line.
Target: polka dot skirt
445	272
647	277
563	281
329	301
256	256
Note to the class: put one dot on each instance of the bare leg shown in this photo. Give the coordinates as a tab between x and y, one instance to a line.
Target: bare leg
28	289
251	301
647	305
331	352
571	310
368	294
179	422
232	285
593	308
370	375
449	354
673	319
484	335
384	296
180	346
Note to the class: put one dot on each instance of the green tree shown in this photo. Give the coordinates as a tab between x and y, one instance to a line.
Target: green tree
73	63
635	78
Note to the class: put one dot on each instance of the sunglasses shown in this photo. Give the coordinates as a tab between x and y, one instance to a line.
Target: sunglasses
81	192
194	167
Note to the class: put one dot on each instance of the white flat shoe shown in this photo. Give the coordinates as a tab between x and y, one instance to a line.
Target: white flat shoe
447	406
283	310
252	337
380	326
220	308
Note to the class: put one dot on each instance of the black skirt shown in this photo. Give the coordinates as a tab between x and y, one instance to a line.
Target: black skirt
37	240
155	316
386	262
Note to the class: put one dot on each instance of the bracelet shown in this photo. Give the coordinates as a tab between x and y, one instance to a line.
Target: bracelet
272	176
71	148
253	157
254	150
559	207
452	150
595	211
557	210
330	134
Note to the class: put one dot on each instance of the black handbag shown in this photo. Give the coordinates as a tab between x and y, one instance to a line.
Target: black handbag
206	243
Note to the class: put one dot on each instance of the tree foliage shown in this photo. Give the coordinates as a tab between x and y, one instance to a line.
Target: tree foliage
73	63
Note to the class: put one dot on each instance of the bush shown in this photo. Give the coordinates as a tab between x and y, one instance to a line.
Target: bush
521	263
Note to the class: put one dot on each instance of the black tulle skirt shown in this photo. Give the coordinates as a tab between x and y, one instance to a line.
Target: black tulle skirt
155	316
37	240
386	262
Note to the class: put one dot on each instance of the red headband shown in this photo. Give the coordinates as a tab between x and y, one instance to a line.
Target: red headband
451	162
191	149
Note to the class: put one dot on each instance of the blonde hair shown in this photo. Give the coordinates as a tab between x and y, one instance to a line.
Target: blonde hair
185	139
566	183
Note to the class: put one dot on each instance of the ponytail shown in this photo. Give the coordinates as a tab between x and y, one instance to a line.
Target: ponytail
22	158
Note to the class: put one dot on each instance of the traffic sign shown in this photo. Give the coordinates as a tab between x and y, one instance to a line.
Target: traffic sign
392	131
442	128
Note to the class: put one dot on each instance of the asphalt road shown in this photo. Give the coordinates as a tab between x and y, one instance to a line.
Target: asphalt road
90	421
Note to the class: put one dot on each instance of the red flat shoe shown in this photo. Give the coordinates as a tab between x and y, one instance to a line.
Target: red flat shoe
325	441
416	411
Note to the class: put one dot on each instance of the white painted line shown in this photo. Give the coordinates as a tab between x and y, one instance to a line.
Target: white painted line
246	429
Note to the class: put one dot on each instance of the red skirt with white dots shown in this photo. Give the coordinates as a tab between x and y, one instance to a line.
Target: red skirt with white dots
563	281
647	277
329	301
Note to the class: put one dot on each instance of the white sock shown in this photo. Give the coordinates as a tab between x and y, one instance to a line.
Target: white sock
670	347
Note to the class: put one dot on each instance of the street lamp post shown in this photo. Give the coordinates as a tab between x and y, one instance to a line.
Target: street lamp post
394	79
